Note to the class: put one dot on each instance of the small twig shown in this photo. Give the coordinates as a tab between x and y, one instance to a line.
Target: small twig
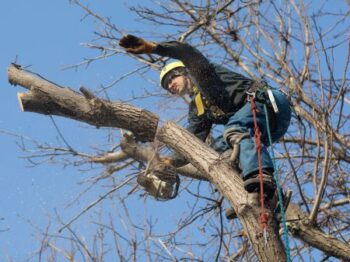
95	203
324	180
62	137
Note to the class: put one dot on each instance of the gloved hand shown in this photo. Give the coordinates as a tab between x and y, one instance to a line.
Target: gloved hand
136	45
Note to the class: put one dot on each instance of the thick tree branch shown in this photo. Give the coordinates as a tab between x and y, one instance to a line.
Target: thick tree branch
301	227
47	98
229	183
144	154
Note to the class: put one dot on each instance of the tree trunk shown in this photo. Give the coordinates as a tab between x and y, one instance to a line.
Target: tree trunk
45	97
227	180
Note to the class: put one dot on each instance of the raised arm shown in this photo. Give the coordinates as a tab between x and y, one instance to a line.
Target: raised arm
201	70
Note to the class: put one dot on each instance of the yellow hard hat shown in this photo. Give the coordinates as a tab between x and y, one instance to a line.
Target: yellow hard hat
166	69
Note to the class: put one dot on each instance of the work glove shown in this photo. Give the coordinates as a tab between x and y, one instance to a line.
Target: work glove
136	45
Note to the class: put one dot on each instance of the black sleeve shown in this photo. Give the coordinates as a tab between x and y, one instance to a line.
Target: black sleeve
200	126
201	70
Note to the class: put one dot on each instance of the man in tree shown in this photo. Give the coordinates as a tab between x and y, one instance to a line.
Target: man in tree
220	96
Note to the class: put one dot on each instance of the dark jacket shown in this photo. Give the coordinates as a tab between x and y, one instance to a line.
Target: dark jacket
218	86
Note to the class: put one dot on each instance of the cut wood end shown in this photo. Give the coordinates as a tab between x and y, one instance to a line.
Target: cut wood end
19	96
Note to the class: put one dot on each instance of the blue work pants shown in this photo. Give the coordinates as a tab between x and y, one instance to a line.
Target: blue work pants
242	122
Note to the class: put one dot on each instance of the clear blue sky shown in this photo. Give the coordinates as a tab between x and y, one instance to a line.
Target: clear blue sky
45	35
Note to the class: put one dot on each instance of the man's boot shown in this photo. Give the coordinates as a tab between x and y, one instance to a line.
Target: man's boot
252	184
230	213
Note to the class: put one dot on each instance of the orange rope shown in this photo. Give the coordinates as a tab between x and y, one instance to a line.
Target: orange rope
257	135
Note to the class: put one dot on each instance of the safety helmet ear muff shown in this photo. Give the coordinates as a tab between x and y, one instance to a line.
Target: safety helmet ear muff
164	74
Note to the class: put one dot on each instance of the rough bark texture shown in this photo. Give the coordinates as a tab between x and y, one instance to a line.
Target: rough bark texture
44	97
144	154
227	180
47	98
300	227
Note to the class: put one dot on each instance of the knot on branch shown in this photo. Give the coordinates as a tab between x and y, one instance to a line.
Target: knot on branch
293	228
128	143
307	222
98	106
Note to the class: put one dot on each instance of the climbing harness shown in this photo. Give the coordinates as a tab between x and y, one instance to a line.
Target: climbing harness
199	104
202	103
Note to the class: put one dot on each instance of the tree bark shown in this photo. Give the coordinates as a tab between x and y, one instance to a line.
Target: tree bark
227	180
45	97
300	227
144	154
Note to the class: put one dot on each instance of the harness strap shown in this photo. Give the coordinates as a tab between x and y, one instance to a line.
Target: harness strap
199	104
203	103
